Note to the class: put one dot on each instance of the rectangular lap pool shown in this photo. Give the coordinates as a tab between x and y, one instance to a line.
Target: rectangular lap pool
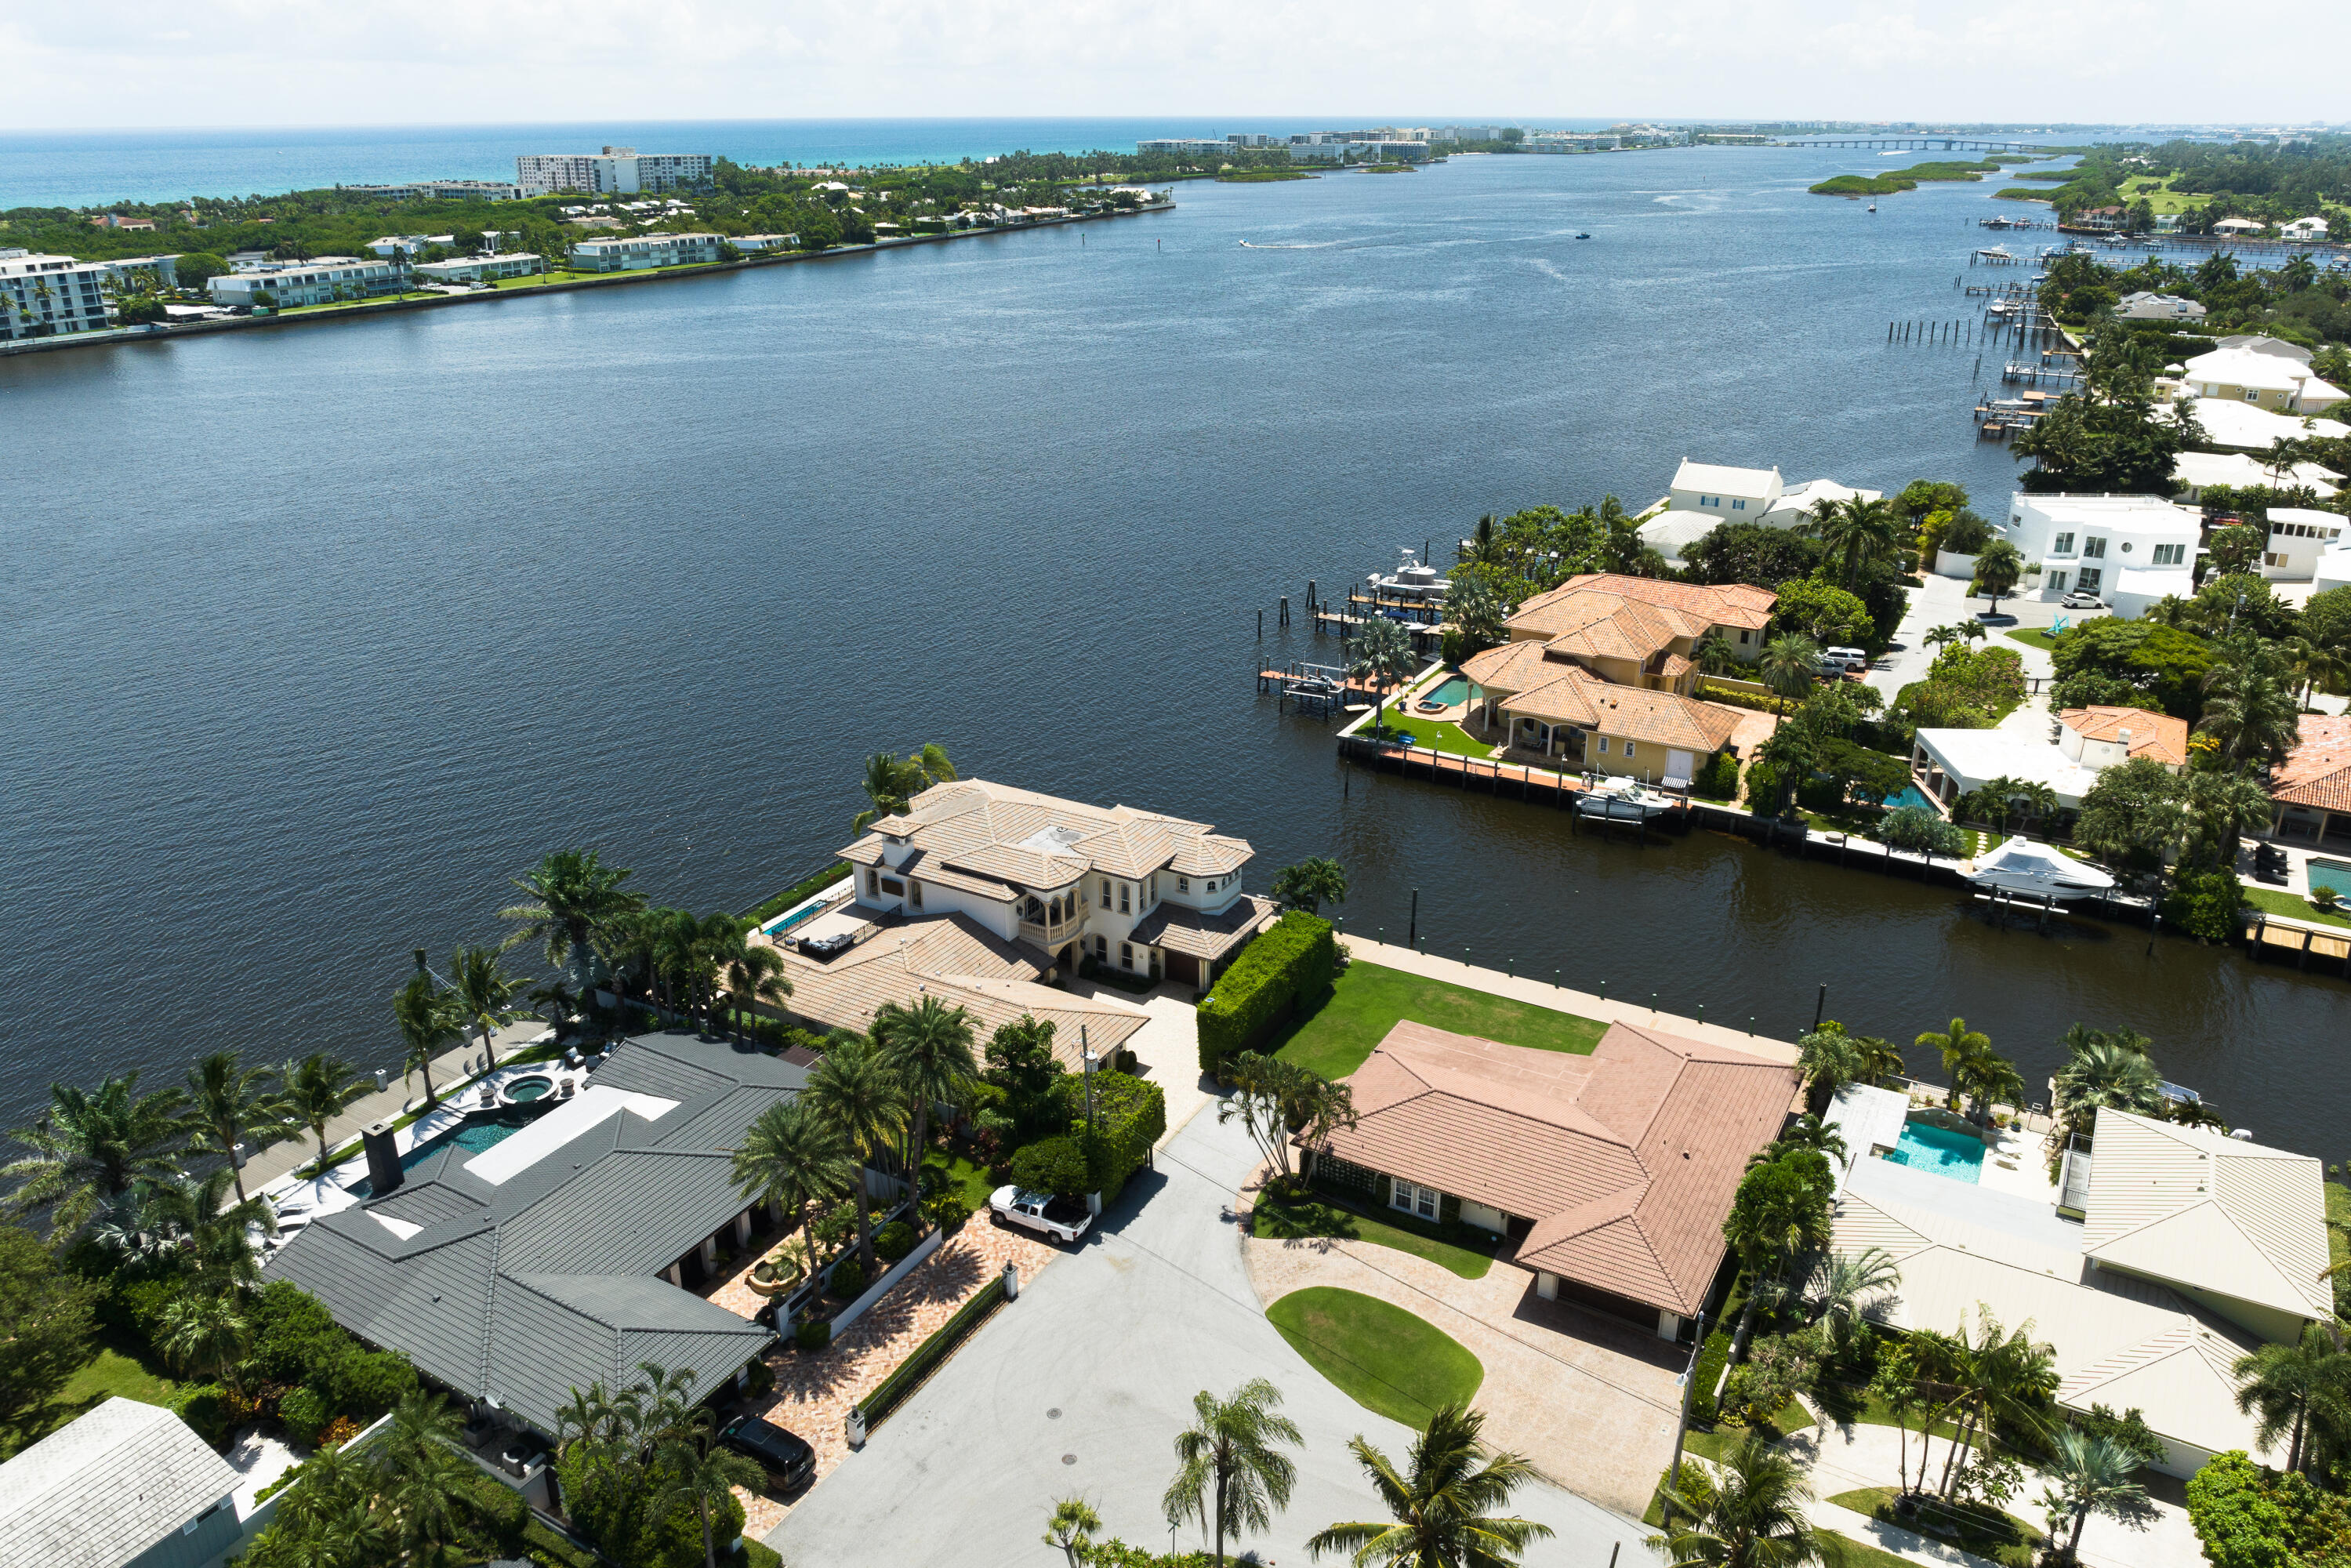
1958	1156
2336	874
477	1133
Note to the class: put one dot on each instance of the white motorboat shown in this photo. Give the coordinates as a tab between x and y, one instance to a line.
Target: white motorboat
1620	798
1414	579
2037	873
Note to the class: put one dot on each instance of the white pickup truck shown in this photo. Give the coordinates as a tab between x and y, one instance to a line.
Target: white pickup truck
1063	1218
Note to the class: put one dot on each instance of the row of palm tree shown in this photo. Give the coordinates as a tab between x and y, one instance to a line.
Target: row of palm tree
1828	1057
648	1447
868	1102
1994	802
405	1499
1443	1504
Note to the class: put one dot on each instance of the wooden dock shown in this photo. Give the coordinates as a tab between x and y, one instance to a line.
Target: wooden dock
2279	939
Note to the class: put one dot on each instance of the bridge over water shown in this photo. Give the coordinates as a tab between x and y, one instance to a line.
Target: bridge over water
1927	144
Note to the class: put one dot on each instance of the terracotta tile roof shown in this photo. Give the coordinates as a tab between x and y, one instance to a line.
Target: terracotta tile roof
1210	854
2317	771
1512	667
1662	718
1723	604
2156	734
1211	937
1626	1160
1042	842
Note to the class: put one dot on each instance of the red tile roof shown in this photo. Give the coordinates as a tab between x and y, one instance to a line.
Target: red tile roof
1625	1159
2156	734
2317	771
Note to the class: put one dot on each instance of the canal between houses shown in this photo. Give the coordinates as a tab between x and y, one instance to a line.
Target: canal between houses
316	635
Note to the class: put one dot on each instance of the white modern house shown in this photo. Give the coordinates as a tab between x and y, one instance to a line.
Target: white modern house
616	171
2080	745
2237	227
2313	228
2240	426
2131	550
413	243
2299	538
2192	473
313	282
1706	495
644	251
2262	372
2147	306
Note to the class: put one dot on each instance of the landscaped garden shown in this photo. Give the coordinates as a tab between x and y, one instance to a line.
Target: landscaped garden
1986	1531
1379	1356
1436	734
1367	999
1285	1218
2295	907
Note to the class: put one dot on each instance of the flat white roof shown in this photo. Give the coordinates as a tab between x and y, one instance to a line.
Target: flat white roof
1977	757
1711	477
2233	424
2143	512
502	1160
2239	470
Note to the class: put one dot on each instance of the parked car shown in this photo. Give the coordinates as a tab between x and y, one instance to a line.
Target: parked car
1851	661
789	1462
1063	1218
2083	599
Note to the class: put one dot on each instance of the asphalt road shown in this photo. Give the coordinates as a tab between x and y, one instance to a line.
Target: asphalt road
1080	1385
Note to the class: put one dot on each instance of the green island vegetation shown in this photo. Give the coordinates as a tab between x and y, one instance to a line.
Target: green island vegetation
1387	168
1909	179
2204	181
1381	1356
1263	176
2298	301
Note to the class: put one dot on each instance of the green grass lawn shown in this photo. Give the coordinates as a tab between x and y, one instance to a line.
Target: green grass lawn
2002	1537
2278	901
1381	1356
107	1375
2032	637
964	1179
1844	1552
1368	1001
1280	1218
1439	735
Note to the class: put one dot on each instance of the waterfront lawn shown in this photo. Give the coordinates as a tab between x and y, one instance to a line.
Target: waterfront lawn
1284	1219
1437	735
1986	1533
1367	1001
1379	1356
2034	637
115	1371
2293	906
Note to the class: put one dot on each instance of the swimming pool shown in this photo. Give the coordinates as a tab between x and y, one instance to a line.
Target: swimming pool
1923	1147
2336	874
1451	690
474	1135
807	911
1909	795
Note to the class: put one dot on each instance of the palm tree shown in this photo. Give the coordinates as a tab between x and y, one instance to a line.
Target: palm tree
853	1091
1781	1212
88	1149
2292	1387
695	1469
1999	1382
1789	665
1381	653
573	895
1714	654
1310	882
927	1047
2221	807
1441	1511
1229	1448
794	1158
2039	800
1073	1528
890	783
2088	1475
194	1221
205	1335
2316	664
1961	1049
753	974
429	1024
228	1105
1859	531
1847	1286
427	1483
1755	1518
483	993
313	1092
1997	566
2102	1072
2250	703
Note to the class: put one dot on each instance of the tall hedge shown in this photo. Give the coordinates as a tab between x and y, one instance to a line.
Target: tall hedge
1130	1114
1291	963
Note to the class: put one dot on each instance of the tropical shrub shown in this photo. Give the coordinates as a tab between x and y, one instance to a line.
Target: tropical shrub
364	1383
1052	1164
849	1280
1117	1553
1288	966
1719	780
895	1240
1917	829
1707	1373
204	1407
761	1380
304	1416
813	1333
1821	794
1130	1114
2238	1516
2205	904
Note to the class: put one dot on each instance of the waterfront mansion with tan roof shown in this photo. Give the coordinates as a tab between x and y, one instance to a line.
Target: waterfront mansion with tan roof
1141	893
1602	672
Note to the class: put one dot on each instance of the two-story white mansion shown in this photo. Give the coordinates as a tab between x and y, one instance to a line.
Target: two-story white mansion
1139	893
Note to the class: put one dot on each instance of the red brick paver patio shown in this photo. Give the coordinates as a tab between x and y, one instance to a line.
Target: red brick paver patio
813	1393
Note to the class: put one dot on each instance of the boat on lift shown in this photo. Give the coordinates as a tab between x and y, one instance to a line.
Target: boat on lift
1414	579
2037	873
1620	798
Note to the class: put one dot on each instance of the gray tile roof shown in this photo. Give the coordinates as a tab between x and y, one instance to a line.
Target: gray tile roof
524	1290
102	1489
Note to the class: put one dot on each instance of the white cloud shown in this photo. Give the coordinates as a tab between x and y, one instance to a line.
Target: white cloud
274	61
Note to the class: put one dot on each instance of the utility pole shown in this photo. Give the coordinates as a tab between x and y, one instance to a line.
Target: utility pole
1681	1428
1820	1004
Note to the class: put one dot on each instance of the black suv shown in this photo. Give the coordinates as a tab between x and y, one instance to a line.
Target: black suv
789	1462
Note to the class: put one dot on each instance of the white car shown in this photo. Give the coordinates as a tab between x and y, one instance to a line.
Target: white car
1063	1218
2081	599
1850	660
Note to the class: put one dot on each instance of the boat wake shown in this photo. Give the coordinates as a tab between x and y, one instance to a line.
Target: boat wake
1317	244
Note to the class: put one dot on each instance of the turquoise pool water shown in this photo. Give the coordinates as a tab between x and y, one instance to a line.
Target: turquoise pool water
2336	874
1451	690
778	927
1909	795
1958	1156
473	1136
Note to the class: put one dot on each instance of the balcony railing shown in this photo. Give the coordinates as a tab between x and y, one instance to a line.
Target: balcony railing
1049	935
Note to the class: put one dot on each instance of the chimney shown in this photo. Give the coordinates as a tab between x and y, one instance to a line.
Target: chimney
384	1171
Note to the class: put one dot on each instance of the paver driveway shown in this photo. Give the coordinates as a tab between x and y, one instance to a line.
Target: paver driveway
1080	1385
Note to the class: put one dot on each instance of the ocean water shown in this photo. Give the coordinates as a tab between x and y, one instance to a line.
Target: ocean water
315	636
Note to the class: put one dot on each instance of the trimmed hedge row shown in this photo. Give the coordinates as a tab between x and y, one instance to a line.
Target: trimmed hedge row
893	1390
1130	1114
1294	961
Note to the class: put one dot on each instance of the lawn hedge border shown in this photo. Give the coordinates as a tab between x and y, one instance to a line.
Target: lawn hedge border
893	1390
1294	961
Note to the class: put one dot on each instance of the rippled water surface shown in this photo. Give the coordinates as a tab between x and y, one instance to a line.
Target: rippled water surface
315	636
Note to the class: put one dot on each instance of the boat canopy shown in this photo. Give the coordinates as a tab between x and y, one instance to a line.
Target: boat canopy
2036	869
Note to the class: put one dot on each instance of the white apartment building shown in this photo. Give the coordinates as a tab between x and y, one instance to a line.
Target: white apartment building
437	190
1571	141
644	251
1142	893
315	282
478	268
2131	550
52	296
2298	539
1183	146
755	245
616	171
